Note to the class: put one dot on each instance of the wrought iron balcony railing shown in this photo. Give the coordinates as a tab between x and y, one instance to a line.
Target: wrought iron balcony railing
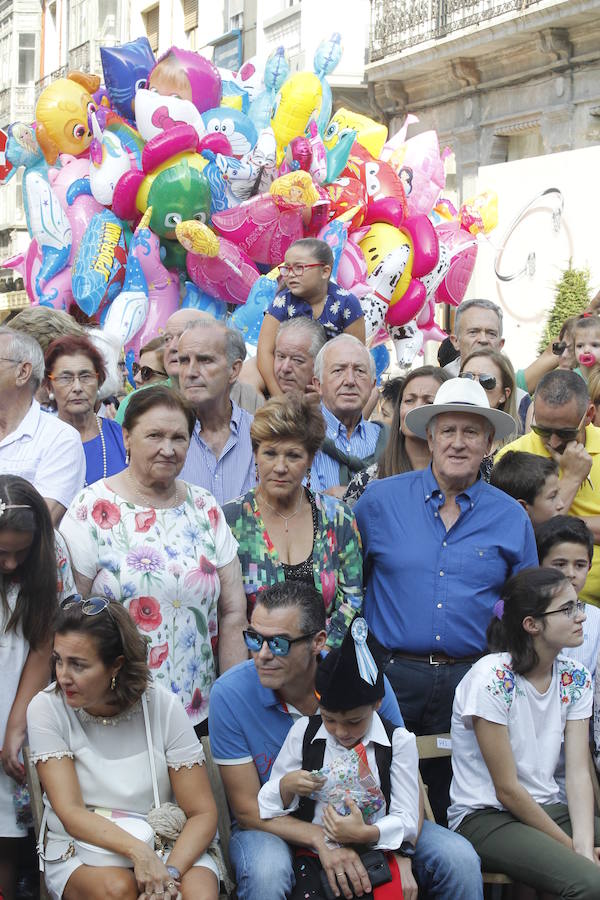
398	24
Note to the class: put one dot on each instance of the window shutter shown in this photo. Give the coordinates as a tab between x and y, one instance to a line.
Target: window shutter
190	14
151	23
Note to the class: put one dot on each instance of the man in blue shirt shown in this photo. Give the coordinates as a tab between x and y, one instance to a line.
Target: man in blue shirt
252	708
438	545
345	377
220	456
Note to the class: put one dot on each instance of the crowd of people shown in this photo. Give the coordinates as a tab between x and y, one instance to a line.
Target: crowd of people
309	570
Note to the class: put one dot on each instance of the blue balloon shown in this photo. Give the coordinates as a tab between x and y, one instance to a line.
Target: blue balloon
126	68
194	298
248	317
239	129
381	356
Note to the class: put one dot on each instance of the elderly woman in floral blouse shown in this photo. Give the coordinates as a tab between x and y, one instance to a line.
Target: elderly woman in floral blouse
284	531
163	548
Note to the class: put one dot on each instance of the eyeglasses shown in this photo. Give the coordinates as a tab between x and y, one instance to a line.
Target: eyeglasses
298	269
8	359
572	607
90	607
487	382
563	434
278	644
559	347
85	379
146	372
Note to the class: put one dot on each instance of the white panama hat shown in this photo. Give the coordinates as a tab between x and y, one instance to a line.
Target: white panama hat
460	395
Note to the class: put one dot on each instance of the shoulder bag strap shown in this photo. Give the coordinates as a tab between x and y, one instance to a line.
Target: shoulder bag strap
150	751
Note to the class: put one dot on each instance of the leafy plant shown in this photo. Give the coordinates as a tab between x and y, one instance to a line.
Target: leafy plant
572	297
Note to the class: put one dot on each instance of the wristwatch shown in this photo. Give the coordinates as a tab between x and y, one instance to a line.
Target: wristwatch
175	873
406	849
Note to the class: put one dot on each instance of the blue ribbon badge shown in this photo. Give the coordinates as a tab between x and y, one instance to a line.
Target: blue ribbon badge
366	664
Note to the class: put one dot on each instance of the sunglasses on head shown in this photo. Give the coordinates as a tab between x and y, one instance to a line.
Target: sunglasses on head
90	607
278	644
146	372
487	382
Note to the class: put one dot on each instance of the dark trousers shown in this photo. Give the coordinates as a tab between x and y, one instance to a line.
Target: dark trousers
425	694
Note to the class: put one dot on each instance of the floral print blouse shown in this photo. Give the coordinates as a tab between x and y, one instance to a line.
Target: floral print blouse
162	565
336	558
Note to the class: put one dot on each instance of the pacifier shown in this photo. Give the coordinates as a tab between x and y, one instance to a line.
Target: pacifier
587	359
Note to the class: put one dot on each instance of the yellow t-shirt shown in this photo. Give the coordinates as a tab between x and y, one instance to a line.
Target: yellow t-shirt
587	498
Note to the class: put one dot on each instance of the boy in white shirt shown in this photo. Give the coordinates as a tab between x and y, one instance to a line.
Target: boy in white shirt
349	688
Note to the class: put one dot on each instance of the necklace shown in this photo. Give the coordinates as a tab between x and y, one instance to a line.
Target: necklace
103	444
286	519
173	502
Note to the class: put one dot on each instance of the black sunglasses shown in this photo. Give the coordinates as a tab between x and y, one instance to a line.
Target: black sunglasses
487	382
278	644
146	372
559	347
563	434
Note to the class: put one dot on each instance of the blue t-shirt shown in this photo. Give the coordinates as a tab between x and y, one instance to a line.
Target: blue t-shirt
115	452
249	723
340	310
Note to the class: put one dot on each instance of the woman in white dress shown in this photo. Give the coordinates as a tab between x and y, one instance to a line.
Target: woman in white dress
90	744
512	713
34	572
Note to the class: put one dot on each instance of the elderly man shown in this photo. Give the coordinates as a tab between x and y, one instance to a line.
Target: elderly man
438	545
345	376
34	444
478	323
252	708
220	456
562	429
297	343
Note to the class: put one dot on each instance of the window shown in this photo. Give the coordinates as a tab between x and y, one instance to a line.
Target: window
26	58
78	25
151	26
190	15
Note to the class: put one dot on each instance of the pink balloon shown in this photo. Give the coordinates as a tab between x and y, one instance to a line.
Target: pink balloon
227	277
427	324
421	171
218	143
260	228
163	290
386	209
83	207
409	304
463	254
425	244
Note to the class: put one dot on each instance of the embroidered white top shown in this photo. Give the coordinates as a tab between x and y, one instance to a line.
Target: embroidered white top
536	724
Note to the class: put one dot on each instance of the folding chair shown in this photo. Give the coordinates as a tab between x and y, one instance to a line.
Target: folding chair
437	746
37	807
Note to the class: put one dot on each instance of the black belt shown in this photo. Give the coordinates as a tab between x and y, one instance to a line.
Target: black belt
436	659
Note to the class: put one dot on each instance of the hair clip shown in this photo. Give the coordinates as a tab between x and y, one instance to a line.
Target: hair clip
499	608
4	506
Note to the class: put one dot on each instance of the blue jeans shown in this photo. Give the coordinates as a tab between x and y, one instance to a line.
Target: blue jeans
445	865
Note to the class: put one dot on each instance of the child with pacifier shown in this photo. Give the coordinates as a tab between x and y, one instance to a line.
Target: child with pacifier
586	339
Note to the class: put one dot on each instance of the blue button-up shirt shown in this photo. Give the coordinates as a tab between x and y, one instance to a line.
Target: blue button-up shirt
232	474
325	471
429	590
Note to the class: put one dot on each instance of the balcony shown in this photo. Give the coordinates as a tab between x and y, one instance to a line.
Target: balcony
79	58
44	82
398	24
5	106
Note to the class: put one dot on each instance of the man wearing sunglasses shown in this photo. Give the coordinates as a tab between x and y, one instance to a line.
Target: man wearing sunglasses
562	430
252	708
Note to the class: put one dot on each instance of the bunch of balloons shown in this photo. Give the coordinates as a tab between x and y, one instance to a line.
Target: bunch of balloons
179	183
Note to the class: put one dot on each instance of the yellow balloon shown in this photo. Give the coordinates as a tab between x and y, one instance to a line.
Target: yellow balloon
61	115
296	188
371	134
197	238
297	102
381	240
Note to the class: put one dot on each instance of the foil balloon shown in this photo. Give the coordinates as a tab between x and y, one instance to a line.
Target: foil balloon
462	247
62	113
298	101
479	215
386	200
420	167
108	161
248	317
216	265
277	69
126	69
239	130
99	267
372	135
327	56
181	86
194	298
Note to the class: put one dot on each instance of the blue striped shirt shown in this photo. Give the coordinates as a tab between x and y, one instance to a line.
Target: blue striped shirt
325	472
232	474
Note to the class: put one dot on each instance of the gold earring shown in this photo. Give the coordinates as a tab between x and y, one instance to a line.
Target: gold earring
113	683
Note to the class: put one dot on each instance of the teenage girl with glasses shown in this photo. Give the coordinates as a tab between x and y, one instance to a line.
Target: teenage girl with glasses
308	291
512	713
34	575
